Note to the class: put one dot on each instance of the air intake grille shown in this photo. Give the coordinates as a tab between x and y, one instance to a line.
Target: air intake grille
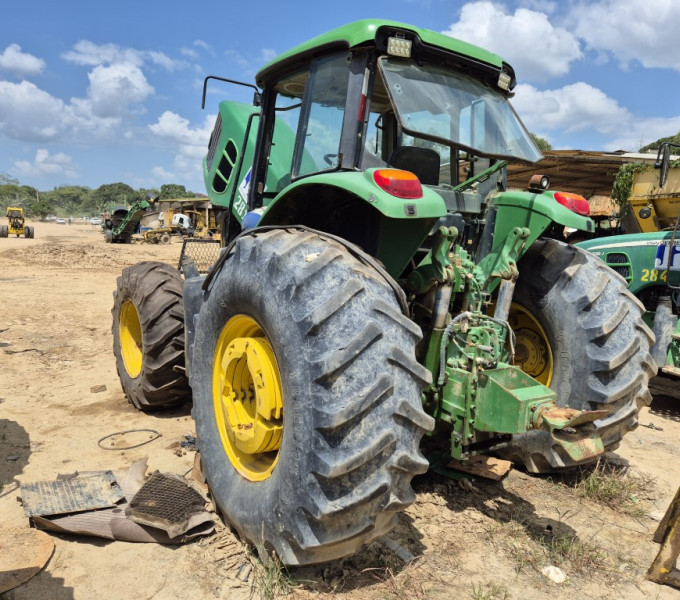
620	262
214	140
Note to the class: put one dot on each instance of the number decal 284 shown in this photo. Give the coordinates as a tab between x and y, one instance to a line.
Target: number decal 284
653	275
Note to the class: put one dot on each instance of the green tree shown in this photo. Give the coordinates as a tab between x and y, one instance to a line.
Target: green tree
69	199
675	139
109	195
542	143
40	208
13	194
6	178
173	190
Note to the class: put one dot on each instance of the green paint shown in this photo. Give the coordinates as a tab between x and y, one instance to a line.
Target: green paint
362	33
536	212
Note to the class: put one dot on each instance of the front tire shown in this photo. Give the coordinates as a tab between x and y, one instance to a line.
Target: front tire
340	460
579	331
148	335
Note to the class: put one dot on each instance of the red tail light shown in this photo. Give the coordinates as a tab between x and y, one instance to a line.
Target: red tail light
573	202
402	184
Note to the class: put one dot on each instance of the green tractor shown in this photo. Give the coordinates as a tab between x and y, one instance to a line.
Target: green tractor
648	257
377	283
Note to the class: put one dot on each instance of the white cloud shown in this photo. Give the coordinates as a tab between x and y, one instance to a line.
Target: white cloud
29	113
114	88
88	53
161	175
267	54
202	44
13	59
46	165
237	58
190	52
526	39
575	107
189	144
631	30
582	107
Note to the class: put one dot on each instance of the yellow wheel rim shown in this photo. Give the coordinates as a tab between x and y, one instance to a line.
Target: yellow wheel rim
247	397
532	349
130	334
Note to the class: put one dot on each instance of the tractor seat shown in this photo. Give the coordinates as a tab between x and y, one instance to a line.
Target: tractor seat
423	162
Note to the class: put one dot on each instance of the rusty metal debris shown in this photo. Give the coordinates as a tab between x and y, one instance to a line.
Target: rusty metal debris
165	502
112	523
70	495
664	568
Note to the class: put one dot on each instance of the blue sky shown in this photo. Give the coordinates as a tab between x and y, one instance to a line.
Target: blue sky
94	93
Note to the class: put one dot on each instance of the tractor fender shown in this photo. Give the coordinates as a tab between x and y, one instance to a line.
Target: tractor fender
537	212
362	185
352	206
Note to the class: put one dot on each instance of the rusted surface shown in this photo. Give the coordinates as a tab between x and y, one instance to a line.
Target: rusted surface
70	495
563	416
571	429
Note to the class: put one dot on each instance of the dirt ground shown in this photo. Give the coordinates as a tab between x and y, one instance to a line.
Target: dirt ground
478	540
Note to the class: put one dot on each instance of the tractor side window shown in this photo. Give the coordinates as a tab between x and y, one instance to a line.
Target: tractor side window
372	155
324	110
283	143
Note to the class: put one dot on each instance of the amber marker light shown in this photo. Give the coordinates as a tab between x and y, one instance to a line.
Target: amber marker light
402	184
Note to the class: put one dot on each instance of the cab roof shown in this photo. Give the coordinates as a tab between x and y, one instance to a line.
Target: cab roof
363	33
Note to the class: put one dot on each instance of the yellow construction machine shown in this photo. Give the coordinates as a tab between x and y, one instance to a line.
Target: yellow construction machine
17	224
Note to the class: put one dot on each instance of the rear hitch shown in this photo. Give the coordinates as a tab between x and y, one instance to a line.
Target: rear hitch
572	430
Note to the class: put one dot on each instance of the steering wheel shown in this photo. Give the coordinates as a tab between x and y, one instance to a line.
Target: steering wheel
330	159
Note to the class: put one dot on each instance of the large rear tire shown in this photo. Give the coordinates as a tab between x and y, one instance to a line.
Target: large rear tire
336	417
148	335
579	331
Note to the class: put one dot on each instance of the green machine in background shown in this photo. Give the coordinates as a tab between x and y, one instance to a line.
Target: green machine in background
379	283
649	261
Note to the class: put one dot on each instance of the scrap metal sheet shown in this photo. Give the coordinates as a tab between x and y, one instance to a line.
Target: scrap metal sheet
76	494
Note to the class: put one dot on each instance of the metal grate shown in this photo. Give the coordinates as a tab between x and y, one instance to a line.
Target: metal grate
623	271
617	258
214	140
620	262
164	501
203	252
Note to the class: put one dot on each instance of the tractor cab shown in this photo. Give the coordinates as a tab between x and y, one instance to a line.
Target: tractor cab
406	108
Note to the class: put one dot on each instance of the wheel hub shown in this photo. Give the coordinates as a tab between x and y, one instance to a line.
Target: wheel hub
130	334
247	398
532	350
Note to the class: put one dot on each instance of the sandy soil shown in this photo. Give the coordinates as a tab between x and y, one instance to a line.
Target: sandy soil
482	540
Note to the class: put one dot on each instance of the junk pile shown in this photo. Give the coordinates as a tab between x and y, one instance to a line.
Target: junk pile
119	505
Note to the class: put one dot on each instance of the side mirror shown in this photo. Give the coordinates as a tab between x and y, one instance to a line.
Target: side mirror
663	161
